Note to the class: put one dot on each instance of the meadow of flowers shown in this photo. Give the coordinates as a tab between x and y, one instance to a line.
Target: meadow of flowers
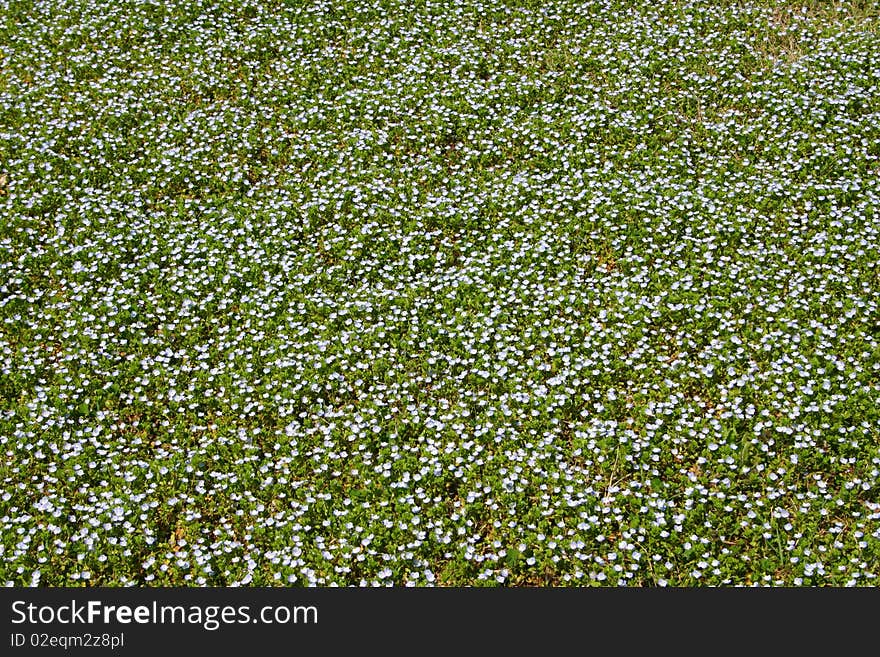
439	292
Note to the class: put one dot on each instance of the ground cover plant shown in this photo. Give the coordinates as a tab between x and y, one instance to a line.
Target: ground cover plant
439	293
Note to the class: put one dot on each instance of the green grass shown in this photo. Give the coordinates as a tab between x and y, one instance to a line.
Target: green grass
468	293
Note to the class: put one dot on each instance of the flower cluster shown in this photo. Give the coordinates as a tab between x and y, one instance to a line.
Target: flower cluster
439	293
